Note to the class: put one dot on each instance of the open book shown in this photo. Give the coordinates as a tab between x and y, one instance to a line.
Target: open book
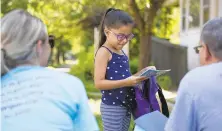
153	72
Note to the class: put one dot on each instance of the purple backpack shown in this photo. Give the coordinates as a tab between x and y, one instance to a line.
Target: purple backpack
146	100
143	100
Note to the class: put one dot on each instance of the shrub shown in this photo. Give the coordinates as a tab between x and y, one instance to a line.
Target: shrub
84	69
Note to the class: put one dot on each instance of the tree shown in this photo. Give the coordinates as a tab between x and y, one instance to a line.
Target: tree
7	5
152	18
73	21
144	19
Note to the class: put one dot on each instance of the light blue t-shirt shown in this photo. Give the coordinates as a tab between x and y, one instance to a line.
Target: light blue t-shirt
199	102
40	99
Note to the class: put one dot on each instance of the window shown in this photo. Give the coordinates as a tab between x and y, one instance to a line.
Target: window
194	15
206	10
183	15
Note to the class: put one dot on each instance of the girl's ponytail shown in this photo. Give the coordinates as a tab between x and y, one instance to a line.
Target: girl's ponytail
102	38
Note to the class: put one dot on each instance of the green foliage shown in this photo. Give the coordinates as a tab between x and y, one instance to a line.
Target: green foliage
84	69
8	5
94	95
99	121
72	23
167	23
134	65
164	81
134	44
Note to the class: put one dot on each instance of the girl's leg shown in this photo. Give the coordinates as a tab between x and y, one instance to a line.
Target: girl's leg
114	118
126	123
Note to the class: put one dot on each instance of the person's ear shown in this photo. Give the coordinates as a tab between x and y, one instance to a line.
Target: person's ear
39	47
106	32
207	54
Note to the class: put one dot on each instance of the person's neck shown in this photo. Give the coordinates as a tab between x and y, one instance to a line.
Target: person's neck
213	61
27	64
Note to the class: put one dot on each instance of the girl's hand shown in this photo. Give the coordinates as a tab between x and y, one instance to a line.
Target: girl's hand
134	80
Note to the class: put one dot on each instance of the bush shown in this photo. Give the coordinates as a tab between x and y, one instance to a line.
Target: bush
84	69
134	65
164	81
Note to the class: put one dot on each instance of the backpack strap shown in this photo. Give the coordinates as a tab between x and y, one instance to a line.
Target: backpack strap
165	109
164	105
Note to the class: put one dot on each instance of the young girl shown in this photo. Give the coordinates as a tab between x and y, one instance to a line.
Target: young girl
112	72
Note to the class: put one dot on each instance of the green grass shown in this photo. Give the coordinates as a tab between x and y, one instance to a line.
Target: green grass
89	85
91	89
171	100
93	96
99	121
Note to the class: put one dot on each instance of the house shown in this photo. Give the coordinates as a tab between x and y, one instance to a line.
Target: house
194	13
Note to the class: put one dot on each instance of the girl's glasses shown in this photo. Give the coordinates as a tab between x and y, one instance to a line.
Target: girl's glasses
121	37
197	49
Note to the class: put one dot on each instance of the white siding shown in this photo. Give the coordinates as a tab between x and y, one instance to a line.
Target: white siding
191	39
220	8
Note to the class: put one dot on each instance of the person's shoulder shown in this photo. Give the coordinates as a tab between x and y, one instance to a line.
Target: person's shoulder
102	52
192	80
62	75
195	80
200	73
194	73
67	81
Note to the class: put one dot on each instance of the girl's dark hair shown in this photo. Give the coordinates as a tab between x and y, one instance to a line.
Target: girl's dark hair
113	18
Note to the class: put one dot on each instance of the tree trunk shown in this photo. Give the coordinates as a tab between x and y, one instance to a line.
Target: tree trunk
145	50
51	60
58	56
145	25
63	57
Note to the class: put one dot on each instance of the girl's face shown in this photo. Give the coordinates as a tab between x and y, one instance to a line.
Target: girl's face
117	38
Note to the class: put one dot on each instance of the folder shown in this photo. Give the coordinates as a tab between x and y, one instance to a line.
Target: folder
154	121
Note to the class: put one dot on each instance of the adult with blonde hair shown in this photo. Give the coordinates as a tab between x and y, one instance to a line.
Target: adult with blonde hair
35	98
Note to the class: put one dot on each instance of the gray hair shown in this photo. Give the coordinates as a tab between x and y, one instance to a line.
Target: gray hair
212	36
20	32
